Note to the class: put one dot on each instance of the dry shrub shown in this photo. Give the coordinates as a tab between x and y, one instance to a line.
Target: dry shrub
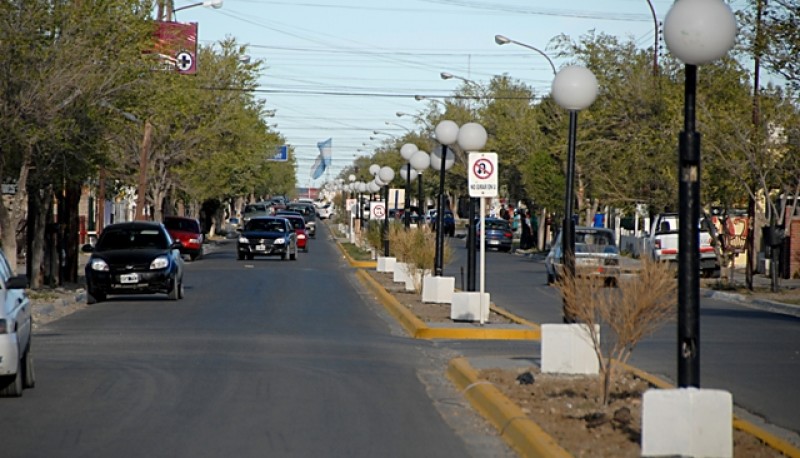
639	306
417	247
374	236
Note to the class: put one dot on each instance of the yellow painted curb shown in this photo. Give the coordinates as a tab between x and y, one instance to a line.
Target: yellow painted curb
521	433
417	329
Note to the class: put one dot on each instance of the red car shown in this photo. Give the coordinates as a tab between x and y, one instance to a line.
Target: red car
299	225
187	231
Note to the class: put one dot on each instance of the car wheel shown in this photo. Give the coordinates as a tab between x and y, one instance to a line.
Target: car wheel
93	297
181	291
28	375
249	257
240	256
11	386
174	293
194	257
283	256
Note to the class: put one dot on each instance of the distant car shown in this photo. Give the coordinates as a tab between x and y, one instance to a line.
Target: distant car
326	211
449	224
596	254
498	234
136	257
299	225
256	209
187	231
16	331
309	213
267	236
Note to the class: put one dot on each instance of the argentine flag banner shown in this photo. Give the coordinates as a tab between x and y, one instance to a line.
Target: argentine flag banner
324	159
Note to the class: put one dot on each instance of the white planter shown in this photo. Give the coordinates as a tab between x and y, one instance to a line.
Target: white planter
400	272
568	349
385	264
687	422
467	306
438	290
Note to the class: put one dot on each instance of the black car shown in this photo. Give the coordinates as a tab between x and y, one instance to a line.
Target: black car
267	236
134	258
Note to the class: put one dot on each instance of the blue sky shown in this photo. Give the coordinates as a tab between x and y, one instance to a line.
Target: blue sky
342	69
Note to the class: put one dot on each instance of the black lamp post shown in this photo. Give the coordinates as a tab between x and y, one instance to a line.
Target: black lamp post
385	175
574	88
696	32
446	134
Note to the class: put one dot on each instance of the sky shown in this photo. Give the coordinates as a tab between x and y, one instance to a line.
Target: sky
344	69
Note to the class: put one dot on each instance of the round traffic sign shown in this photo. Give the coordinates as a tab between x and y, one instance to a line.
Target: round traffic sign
483	169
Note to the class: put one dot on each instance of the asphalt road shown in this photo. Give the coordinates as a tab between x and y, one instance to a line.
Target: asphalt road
753	354
262	358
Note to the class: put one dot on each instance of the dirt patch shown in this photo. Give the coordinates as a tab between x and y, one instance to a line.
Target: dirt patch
427	312
569	408
50	304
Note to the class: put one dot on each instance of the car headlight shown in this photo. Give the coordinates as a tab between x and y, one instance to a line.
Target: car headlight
280	241
98	265
159	262
243	240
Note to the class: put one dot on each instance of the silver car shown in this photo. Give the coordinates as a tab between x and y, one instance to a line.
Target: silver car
16	359
596	254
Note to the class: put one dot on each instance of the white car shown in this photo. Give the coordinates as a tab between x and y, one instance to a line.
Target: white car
326	211
16	360
596	255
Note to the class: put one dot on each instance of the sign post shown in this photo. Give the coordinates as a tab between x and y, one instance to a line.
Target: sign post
482	183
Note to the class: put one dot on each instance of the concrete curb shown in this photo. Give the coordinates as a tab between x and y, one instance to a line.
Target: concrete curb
521	433
761	304
417	329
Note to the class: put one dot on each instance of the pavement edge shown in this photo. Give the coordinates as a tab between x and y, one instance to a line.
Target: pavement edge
521	433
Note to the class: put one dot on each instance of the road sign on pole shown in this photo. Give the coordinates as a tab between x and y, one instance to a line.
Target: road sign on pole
482	179
377	210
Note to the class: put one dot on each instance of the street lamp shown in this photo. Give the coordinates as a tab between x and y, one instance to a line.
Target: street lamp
420	98
420	161
216	4
446	134
502	40
697	32
574	88
406	151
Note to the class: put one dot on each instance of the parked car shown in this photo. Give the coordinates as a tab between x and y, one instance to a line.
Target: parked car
498	234
596	254
187	231
16	331
309	213
449	224
267	236
662	243
136	257
299	225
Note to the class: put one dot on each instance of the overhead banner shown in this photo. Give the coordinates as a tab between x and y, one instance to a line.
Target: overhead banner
176	46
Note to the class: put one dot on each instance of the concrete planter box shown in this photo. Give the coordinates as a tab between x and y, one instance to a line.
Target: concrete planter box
438	290
466	306
687	422
385	264
568	349
400	272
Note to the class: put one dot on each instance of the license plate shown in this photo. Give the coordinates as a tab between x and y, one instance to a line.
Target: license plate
261	247
129	278
494	242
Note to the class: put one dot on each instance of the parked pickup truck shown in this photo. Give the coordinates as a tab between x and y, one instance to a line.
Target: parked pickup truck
663	243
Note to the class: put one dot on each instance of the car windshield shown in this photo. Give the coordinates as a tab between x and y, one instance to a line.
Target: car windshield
303	209
594	242
177	224
253	208
297	223
497	225
131	238
268	225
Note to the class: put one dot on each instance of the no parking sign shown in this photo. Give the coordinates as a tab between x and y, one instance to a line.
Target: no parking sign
482	179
